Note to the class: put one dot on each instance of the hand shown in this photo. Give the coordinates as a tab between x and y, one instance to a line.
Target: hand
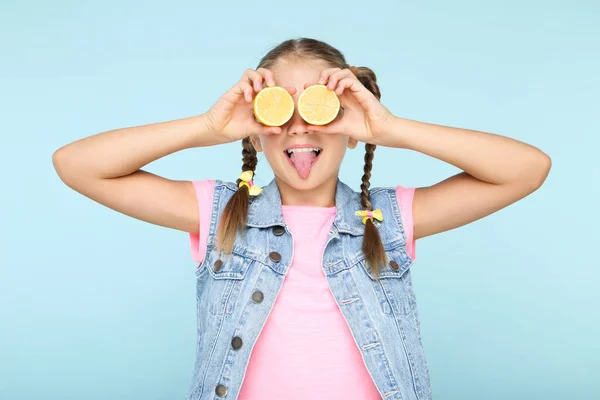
362	116
232	116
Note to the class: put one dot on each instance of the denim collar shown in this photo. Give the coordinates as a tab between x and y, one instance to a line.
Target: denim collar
264	210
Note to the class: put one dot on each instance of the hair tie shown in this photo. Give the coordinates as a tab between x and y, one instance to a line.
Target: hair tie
246	180
370	214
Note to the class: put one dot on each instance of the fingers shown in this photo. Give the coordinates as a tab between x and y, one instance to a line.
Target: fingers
245	89
334	127
333	77
259	129
267	75
264	130
253	82
325	74
345	83
260	77
255	79
292	90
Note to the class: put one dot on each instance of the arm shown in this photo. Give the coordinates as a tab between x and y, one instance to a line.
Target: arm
106	167
497	171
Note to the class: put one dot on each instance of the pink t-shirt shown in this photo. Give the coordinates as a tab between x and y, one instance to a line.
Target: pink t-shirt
324	358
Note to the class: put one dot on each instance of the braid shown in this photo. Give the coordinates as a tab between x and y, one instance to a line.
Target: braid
248	156
315	49
235	213
372	245
364	187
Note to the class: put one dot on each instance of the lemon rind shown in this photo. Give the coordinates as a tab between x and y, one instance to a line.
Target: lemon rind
312	122
260	118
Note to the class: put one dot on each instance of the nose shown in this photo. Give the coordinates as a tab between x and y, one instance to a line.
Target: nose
296	125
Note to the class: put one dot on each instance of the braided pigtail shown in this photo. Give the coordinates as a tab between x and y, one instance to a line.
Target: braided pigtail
372	245
235	213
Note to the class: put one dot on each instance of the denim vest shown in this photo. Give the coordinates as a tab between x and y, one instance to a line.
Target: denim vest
235	294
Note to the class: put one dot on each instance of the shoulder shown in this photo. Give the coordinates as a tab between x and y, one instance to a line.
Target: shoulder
225	185
209	189
386	194
382	191
380	196
215	186
397	194
397	202
222	191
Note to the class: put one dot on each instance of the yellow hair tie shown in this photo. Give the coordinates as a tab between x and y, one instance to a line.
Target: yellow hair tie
246	180
368	214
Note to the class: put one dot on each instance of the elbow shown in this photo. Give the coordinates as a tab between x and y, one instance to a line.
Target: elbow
58	162
539	170
63	164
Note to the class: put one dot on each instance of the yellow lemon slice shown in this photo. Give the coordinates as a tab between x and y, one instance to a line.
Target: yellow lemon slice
273	106
318	105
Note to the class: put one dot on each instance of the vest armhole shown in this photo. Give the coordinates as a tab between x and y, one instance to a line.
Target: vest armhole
403	198
204	195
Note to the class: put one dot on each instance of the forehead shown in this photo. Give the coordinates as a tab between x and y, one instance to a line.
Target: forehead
297	71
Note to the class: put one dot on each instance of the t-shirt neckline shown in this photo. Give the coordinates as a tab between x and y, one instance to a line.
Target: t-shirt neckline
325	210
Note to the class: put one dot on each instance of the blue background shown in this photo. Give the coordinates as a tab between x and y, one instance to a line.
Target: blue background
95	305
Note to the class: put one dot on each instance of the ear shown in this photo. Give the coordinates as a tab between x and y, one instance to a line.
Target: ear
256	143
352	143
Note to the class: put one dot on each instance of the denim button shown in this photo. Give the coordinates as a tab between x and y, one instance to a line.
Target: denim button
258	296
278	230
394	265
275	256
221	390
236	342
217	265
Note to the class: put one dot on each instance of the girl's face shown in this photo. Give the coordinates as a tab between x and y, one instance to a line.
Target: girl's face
301	170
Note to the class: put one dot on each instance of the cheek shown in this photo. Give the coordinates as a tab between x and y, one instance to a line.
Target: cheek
270	148
339	153
338	147
264	143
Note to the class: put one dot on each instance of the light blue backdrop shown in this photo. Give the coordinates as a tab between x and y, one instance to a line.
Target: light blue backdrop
94	305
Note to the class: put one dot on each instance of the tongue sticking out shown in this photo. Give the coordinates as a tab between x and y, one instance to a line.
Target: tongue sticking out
303	162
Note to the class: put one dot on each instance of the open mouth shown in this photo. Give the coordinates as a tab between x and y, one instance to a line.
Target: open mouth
315	150
302	159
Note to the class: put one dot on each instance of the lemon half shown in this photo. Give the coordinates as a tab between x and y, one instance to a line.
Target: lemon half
273	106
318	105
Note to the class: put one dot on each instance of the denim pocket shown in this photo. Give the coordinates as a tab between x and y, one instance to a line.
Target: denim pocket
224	281
392	288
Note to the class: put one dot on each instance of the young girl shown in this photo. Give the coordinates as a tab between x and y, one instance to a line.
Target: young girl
304	288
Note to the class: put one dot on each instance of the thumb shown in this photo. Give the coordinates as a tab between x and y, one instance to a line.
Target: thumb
331	128
268	130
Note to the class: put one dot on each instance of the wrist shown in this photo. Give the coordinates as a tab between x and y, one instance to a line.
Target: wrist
392	133
204	133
